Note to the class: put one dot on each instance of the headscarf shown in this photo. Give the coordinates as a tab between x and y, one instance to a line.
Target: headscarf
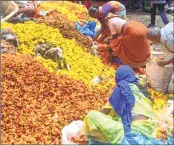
122	98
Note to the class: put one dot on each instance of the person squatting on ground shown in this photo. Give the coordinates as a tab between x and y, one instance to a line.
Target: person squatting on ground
129	110
103	12
129	44
165	36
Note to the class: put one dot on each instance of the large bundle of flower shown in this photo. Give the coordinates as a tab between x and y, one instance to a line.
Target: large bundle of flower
84	67
74	12
56	20
36	104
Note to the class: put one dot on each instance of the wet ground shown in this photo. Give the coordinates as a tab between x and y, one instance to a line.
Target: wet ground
144	17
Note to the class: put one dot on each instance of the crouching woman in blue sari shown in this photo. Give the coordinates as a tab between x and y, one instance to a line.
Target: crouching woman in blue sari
128	110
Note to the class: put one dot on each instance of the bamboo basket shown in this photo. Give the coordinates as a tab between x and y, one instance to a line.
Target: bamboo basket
15	7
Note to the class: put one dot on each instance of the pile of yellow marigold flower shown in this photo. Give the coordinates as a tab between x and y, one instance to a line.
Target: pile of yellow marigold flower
73	11
84	67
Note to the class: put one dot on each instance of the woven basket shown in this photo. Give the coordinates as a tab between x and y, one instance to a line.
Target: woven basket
12	10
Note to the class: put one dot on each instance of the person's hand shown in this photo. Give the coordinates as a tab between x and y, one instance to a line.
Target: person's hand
90	40
107	40
81	23
110	64
162	63
167	60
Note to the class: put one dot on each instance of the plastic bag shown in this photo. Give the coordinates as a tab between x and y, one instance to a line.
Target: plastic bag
137	139
71	131
170	140
158	77
7	47
95	48
97	29
171	85
97	80
44	13
9	41
9	36
88	29
21	18
49	51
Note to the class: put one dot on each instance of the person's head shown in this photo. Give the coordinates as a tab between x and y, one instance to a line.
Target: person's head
154	34
93	12
125	73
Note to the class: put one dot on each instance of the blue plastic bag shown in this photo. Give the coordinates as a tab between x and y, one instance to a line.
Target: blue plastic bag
170	140
21	18
138	139
44	13
88	29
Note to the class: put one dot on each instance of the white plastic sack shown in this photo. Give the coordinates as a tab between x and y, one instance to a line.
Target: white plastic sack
158	77
171	85
70	131
95	48
97	28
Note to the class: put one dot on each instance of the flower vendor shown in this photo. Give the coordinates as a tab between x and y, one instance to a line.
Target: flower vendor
129	110
102	12
165	36
27	7
128	43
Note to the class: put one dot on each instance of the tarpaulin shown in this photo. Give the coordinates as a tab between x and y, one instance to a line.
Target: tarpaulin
139	139
135	139
170	140
88	29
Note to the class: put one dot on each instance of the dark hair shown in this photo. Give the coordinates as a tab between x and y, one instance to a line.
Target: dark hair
96	6
154	32
92	10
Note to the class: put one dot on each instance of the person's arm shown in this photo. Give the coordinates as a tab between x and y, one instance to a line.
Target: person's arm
113	31
166	61
35	4
105	111
101	30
